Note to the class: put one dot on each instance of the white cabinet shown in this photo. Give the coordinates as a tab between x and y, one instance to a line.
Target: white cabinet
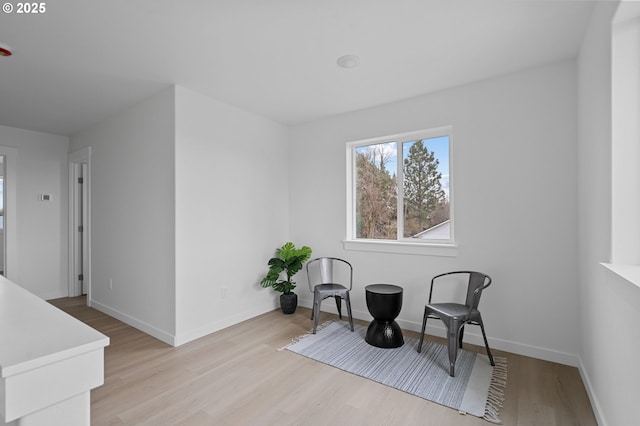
49	362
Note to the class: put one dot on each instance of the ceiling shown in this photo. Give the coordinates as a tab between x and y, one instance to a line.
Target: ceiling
81	61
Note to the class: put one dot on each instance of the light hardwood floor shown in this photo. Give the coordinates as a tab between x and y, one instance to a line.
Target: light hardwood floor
238	377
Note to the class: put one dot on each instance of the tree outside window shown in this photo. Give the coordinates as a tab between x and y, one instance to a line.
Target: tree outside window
425	202
417	186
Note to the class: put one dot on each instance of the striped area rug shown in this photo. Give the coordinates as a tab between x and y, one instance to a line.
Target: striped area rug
477	389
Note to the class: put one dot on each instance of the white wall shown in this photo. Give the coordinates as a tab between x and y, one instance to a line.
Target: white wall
515	177
189	200
625	196
41	226
232	211
609	305
132	214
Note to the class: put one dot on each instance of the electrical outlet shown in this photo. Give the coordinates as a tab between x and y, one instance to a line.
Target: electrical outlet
223	292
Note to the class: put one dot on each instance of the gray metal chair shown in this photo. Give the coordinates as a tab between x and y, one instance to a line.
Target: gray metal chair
330	277
456	315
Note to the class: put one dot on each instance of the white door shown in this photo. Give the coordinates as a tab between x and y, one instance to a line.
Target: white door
79	221
2	251
8	172
79	229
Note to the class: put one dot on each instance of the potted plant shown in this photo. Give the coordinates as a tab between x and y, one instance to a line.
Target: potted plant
287	262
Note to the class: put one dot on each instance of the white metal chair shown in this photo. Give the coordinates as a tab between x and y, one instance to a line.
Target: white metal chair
456	315
330	277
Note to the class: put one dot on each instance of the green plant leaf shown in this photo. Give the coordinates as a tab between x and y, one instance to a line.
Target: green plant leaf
289	260
287	251
276	267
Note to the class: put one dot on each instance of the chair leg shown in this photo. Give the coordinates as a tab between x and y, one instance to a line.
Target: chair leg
460	337
339	305
453	331
316	311
424	326
347	300
486	343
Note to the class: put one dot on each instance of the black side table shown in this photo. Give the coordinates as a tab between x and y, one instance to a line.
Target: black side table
384	302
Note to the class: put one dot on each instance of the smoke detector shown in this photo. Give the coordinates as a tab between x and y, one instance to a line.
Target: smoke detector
5	50
348	61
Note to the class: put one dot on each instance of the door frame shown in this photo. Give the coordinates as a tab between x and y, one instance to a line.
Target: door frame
76	160
10	154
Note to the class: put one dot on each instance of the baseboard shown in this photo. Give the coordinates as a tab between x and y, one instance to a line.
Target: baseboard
161	335
470	336
52	295
595	404
180	338
188	336
435	330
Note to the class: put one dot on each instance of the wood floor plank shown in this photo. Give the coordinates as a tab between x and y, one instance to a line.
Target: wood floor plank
238	376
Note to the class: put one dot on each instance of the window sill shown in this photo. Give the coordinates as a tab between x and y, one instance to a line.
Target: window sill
422	249
630	273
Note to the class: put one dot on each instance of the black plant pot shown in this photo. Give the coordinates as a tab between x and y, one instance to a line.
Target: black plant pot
288	302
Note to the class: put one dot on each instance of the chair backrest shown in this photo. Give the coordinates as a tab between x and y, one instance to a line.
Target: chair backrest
329	270
477	283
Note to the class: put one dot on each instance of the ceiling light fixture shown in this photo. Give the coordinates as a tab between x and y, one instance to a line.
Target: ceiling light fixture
348	61
5	50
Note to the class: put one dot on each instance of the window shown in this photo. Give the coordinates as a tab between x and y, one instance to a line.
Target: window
625	132
399	189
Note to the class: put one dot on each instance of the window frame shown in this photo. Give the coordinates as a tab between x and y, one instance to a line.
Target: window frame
399	245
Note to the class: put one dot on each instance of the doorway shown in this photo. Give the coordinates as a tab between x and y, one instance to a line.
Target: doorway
79	224
8	248
2	250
